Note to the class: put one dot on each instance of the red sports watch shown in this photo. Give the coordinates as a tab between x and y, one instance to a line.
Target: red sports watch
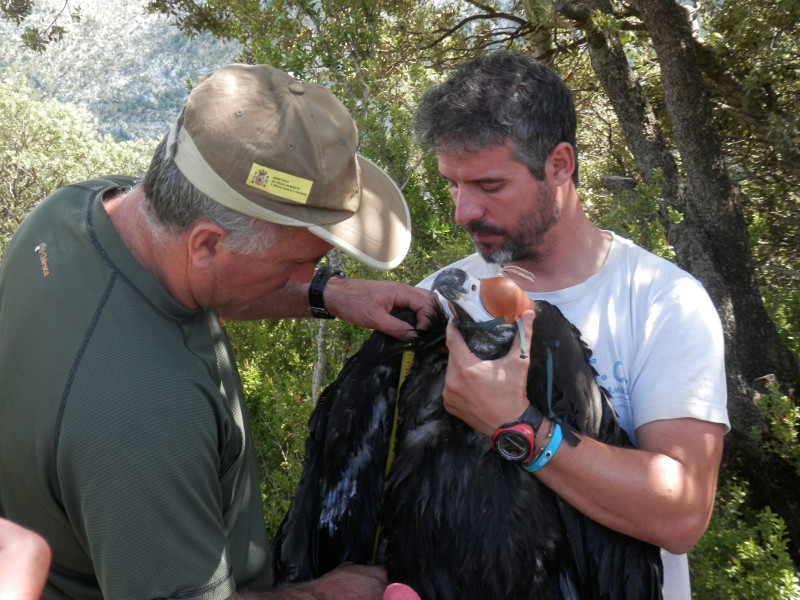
516	441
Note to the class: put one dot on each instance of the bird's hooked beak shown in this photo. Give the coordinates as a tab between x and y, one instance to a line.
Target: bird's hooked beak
460	295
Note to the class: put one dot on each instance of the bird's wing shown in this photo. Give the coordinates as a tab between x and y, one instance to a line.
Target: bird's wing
576	399
604	564
609	565
333	515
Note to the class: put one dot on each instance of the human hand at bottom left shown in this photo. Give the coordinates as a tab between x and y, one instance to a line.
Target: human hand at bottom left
351	582
346	582
24	562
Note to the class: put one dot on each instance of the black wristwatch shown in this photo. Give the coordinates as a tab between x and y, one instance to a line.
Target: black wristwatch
316	289
516	441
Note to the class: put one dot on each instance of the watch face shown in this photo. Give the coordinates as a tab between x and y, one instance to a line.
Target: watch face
513	444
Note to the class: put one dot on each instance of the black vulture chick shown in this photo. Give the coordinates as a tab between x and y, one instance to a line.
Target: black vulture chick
445	514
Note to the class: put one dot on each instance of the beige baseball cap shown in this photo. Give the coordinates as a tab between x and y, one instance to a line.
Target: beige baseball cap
260	142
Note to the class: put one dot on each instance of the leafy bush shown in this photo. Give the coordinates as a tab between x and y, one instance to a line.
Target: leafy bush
743	555
47	144
783	416
275	363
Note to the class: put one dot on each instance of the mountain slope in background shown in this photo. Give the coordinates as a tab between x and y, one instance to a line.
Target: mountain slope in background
128	68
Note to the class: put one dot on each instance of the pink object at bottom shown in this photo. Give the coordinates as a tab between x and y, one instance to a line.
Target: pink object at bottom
399	591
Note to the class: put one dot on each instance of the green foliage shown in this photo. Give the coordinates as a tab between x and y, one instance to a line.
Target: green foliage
783	302
743	555
783	416
275	362
38	36
633	214
46	144
758	45
775	248
16	10
132	79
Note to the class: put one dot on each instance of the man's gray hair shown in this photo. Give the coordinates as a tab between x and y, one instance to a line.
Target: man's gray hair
174	204
491	99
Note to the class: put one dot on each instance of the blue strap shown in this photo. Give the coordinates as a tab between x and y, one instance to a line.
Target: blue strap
544	457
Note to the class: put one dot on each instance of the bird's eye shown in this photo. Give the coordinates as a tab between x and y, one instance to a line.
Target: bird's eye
474	287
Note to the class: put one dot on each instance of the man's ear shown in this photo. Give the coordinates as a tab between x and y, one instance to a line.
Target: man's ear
560	164
205	242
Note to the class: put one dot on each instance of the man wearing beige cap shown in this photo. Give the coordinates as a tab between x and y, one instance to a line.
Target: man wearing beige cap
124	438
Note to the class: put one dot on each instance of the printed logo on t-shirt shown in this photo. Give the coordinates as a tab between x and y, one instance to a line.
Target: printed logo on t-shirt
612	377
41	250
616	383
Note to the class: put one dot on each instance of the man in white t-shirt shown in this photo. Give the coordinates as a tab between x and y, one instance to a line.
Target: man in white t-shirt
503	128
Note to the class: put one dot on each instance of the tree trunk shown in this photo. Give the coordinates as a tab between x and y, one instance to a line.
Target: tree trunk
713	222
320	331
321	363
714	212
712	240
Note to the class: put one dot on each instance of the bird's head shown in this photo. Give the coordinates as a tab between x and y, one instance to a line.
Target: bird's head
486	309
482	300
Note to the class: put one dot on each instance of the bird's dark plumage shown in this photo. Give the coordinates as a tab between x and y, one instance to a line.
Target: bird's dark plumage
456	520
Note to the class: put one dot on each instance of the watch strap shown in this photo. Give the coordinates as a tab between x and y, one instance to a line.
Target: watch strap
533	417
316	291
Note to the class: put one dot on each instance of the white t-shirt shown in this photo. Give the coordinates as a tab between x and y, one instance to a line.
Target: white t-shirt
657	346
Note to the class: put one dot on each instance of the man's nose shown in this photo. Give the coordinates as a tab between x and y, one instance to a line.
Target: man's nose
468	207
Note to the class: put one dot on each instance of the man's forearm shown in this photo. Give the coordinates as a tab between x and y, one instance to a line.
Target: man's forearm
365	303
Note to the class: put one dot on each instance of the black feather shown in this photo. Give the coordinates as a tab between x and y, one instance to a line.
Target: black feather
456	521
